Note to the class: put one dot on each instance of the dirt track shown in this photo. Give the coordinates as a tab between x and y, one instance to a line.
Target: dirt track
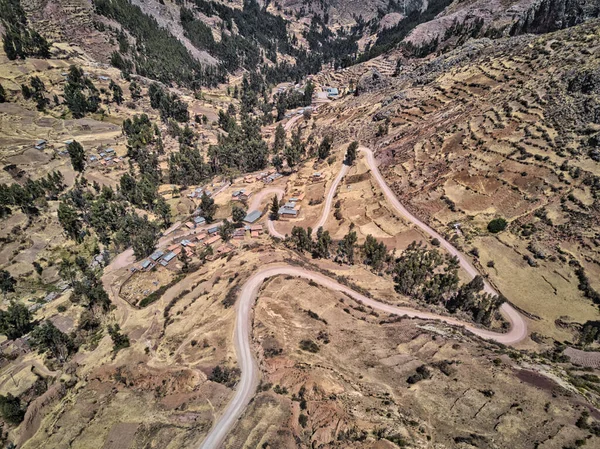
247	363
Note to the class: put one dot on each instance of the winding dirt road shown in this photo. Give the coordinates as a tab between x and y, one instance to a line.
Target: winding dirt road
247	296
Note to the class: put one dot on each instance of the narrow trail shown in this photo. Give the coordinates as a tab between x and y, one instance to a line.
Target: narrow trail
247	363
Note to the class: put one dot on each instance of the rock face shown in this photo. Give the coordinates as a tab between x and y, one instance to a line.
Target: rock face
551	15
371	80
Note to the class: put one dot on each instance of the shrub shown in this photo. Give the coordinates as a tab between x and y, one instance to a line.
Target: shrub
497	225
310	346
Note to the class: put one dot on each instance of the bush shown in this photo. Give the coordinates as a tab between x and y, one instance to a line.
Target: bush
421	374
10	409
303	420
310	346
497	225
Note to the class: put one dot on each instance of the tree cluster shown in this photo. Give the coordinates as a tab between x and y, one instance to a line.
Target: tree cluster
19	40
32	195
169	105
162	56
80	93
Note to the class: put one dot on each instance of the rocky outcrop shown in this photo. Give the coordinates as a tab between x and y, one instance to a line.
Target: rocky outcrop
545	16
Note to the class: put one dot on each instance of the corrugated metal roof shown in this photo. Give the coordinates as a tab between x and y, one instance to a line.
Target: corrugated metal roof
252	216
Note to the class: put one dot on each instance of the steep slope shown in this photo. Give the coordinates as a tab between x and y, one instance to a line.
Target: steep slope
506	128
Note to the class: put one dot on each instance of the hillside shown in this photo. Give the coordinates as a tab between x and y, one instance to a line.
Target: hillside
505	128
310	224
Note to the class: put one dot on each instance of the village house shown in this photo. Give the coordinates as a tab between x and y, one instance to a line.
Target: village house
256	231
316	176
40	144
199	221
156	255
252	217
168	258
287	211
239	234
211	241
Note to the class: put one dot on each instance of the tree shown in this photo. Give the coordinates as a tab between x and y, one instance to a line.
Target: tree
301	238
208	207
16	321
309	90
48	339
69	220
497	225
351	153
325	147
3	97
375	252
117	92
274	209
226	230
321	246
11	409
238	214
185	261
345	252
7	282
163	210
144	236
277	162
120	340
136	91
279	143
77	155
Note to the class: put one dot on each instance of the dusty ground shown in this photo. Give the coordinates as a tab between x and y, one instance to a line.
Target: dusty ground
475	134
357	382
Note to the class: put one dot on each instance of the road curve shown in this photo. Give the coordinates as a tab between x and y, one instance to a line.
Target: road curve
246	298
247	363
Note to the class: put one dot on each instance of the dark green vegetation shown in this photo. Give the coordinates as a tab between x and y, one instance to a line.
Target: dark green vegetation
48	339
81	96
421	273
77	155
120	341
36	90
225	375
161	57
11	409
309	346
16	321
32	196
497	225
429	276
108	213
390	37
19	40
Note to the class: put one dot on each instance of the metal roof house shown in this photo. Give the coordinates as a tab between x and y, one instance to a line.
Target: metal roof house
156	255
332	91
286	211
200	221
252	216
168	258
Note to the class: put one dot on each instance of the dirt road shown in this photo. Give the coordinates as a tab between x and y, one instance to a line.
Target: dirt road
247	363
